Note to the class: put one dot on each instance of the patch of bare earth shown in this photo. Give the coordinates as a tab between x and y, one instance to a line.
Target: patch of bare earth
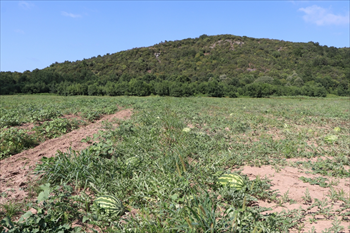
287	180
25	126
16	171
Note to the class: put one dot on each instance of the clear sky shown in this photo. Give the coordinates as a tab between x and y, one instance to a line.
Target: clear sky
35	34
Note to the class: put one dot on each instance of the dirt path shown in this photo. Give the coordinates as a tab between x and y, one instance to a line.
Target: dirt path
16	171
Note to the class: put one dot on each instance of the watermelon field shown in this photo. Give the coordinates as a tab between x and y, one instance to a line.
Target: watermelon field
165	164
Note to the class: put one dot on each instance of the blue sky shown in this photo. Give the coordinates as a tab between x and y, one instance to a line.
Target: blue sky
35	34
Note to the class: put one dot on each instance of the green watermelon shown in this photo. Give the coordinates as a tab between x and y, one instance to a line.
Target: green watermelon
110	204
232	180
331	138
337	129
186	130
133	160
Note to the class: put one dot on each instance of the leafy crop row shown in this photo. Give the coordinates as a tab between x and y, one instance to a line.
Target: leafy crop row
47	114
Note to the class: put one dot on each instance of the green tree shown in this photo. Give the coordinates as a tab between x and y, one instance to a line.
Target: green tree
162	88
175	89
93	89
138	87
110	89
298	82
122	88
215	89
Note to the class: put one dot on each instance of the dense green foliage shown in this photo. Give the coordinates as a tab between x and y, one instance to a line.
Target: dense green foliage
168	177
223	65
53	213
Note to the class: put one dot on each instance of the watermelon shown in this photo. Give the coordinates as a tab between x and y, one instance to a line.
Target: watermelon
110	204
132	160
337	129
232	180
186	130
201	134
331	138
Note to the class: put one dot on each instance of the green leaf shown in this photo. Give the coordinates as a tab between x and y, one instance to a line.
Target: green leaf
44	195
7	222
174	197
25	216
85	219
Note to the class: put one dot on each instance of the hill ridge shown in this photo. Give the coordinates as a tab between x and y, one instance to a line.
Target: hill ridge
231	60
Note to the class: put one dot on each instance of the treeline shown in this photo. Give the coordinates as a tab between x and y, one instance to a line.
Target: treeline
233	65
177	89
42	81
178	86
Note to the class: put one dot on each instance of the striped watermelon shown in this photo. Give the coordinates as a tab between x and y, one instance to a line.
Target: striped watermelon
133	160
186	130
232	180
337	129
110	204
331	138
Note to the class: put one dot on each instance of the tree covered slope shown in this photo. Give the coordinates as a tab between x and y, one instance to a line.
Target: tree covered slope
231	63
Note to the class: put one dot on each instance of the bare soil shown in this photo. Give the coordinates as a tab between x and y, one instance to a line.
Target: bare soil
17	171
25	126
287	180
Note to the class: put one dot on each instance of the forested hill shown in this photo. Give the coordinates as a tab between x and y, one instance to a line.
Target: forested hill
223	65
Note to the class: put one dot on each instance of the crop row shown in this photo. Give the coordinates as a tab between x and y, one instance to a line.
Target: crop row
47	113
16	110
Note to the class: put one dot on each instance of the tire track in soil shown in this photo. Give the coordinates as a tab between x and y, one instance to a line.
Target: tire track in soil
16	171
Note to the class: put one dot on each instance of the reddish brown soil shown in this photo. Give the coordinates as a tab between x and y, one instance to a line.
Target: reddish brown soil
25	126
16	171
